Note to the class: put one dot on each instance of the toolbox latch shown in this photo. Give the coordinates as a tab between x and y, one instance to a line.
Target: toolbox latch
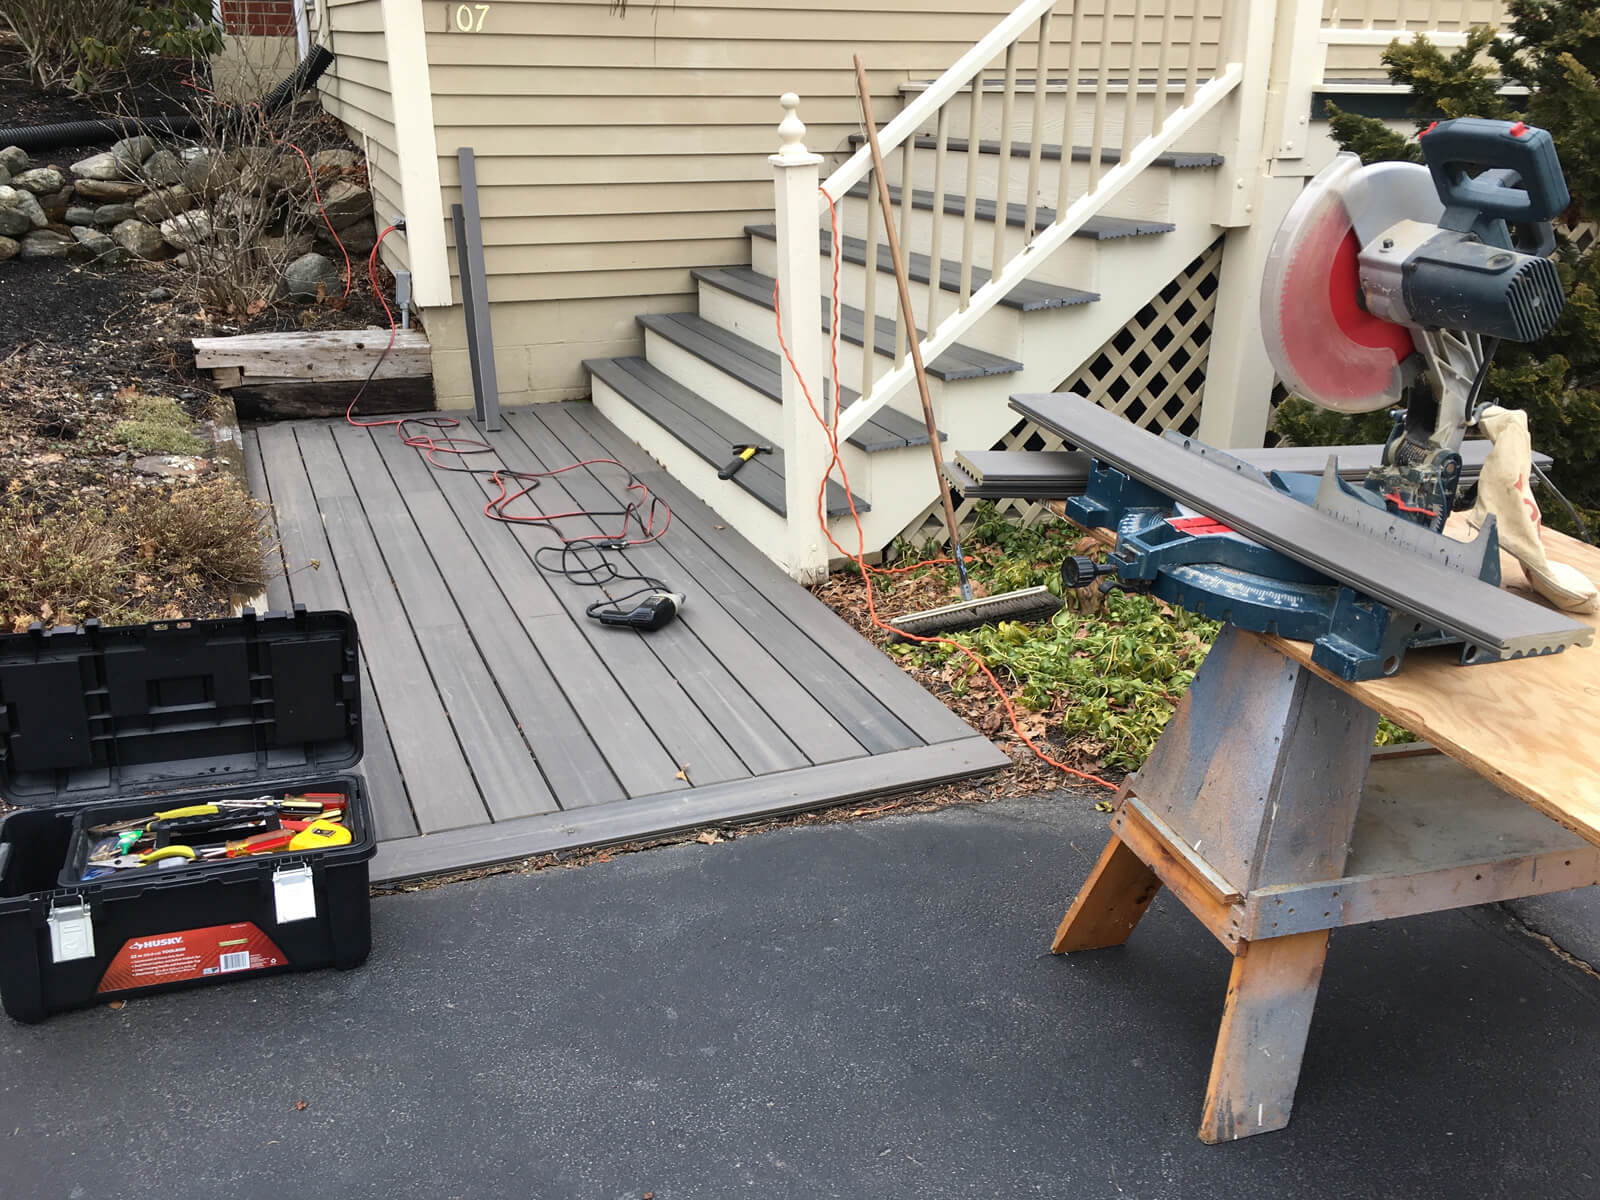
71	931
294	893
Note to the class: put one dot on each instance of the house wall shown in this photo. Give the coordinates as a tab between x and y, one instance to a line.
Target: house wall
617	152
258	47
357	90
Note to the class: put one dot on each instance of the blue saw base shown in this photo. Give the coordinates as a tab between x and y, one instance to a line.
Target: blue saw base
1196	563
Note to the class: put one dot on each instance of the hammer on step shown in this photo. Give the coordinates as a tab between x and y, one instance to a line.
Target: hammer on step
741	455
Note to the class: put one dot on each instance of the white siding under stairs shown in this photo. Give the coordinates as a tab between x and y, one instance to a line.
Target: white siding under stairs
710	379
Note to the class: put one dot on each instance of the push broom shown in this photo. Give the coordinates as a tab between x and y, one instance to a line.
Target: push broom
1027	604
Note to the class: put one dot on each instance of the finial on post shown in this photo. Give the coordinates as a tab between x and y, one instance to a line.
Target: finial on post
791	130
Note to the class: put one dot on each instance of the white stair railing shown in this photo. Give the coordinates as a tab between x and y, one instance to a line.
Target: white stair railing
1154	67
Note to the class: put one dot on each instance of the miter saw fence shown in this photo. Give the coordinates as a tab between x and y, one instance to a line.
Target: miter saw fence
1385	283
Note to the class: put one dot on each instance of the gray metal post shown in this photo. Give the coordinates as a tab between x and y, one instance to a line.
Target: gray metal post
475	295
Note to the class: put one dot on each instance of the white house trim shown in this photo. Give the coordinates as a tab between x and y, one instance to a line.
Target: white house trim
411	93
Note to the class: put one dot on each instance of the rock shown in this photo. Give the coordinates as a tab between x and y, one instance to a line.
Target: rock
158	206
77	214
41	181
327	162
47	243
55	205
130	152
187	229
286	248
108	215
20	212
163	168
358	239
98	166
171	466
158	295
205	169
110	189
344	202
97	244
5	177
14	159
139	239
303	275
9	248
268	170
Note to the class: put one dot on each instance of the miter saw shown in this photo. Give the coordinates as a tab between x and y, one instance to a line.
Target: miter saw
1387	286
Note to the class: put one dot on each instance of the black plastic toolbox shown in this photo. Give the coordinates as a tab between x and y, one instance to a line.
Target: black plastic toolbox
100	723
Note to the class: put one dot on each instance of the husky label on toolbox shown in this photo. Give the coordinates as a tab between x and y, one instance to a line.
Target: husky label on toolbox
190	954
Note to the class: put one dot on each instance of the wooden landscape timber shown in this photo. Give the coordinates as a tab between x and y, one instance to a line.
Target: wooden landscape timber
316	374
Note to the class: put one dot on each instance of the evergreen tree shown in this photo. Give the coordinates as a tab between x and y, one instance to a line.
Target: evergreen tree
1554	51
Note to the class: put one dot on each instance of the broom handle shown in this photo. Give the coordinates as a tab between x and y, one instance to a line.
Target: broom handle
905	315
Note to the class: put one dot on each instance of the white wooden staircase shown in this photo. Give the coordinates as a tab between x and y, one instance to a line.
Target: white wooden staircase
1080	248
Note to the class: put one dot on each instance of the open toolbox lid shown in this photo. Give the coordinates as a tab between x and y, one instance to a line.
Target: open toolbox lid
98	712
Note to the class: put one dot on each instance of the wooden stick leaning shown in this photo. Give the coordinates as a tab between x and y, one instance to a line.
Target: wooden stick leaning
904	287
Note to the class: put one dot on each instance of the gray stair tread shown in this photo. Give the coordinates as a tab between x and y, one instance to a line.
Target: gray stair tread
706	429
958	362
757	367
1179	160
1027	296
1099	228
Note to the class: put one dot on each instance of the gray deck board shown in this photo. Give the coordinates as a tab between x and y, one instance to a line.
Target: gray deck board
805	720
771	591
573	765
787	791
603	705
500	757
696	746
711	692
256	477
501	722
439	782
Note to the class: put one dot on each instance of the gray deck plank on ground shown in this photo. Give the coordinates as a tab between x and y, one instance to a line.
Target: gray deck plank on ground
300	532
256	478
763	673
694	744
502	762
564	749
602	701
927	717
854	706
714	693
784	791
442	791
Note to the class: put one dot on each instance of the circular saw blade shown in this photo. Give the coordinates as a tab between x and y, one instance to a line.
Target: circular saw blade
1324	345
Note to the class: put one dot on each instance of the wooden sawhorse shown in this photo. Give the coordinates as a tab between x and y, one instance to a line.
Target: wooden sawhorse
1258	810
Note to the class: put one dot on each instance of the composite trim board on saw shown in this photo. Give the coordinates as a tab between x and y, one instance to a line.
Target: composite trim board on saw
1476	612
707	430
1028	296
757	368
1058	474
1098	228
958	362
1178	160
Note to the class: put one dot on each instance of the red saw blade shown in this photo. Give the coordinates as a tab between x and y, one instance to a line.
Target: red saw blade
1325	346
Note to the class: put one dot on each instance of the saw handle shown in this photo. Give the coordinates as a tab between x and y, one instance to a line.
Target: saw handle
1491	150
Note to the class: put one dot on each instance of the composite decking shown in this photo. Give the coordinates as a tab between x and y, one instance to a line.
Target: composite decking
501	723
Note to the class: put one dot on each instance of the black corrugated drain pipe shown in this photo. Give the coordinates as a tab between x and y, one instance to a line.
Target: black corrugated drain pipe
93	132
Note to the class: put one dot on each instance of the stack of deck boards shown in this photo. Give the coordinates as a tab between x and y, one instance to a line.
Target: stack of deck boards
317	373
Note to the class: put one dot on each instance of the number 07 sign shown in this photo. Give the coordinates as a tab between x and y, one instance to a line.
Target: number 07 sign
468	18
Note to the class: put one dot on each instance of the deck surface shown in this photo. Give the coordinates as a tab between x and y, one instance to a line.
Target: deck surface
501	723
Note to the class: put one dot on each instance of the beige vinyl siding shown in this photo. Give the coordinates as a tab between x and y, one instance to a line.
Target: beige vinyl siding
356	89
616	153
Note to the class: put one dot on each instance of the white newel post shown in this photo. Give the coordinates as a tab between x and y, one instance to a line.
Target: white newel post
805	452
1259	182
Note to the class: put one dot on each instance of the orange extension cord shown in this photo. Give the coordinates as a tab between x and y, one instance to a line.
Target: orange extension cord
830	428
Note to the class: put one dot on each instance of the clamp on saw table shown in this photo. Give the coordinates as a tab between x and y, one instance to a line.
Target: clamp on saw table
1387	283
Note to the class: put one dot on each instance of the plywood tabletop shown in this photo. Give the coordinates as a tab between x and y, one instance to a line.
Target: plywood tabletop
1530	726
